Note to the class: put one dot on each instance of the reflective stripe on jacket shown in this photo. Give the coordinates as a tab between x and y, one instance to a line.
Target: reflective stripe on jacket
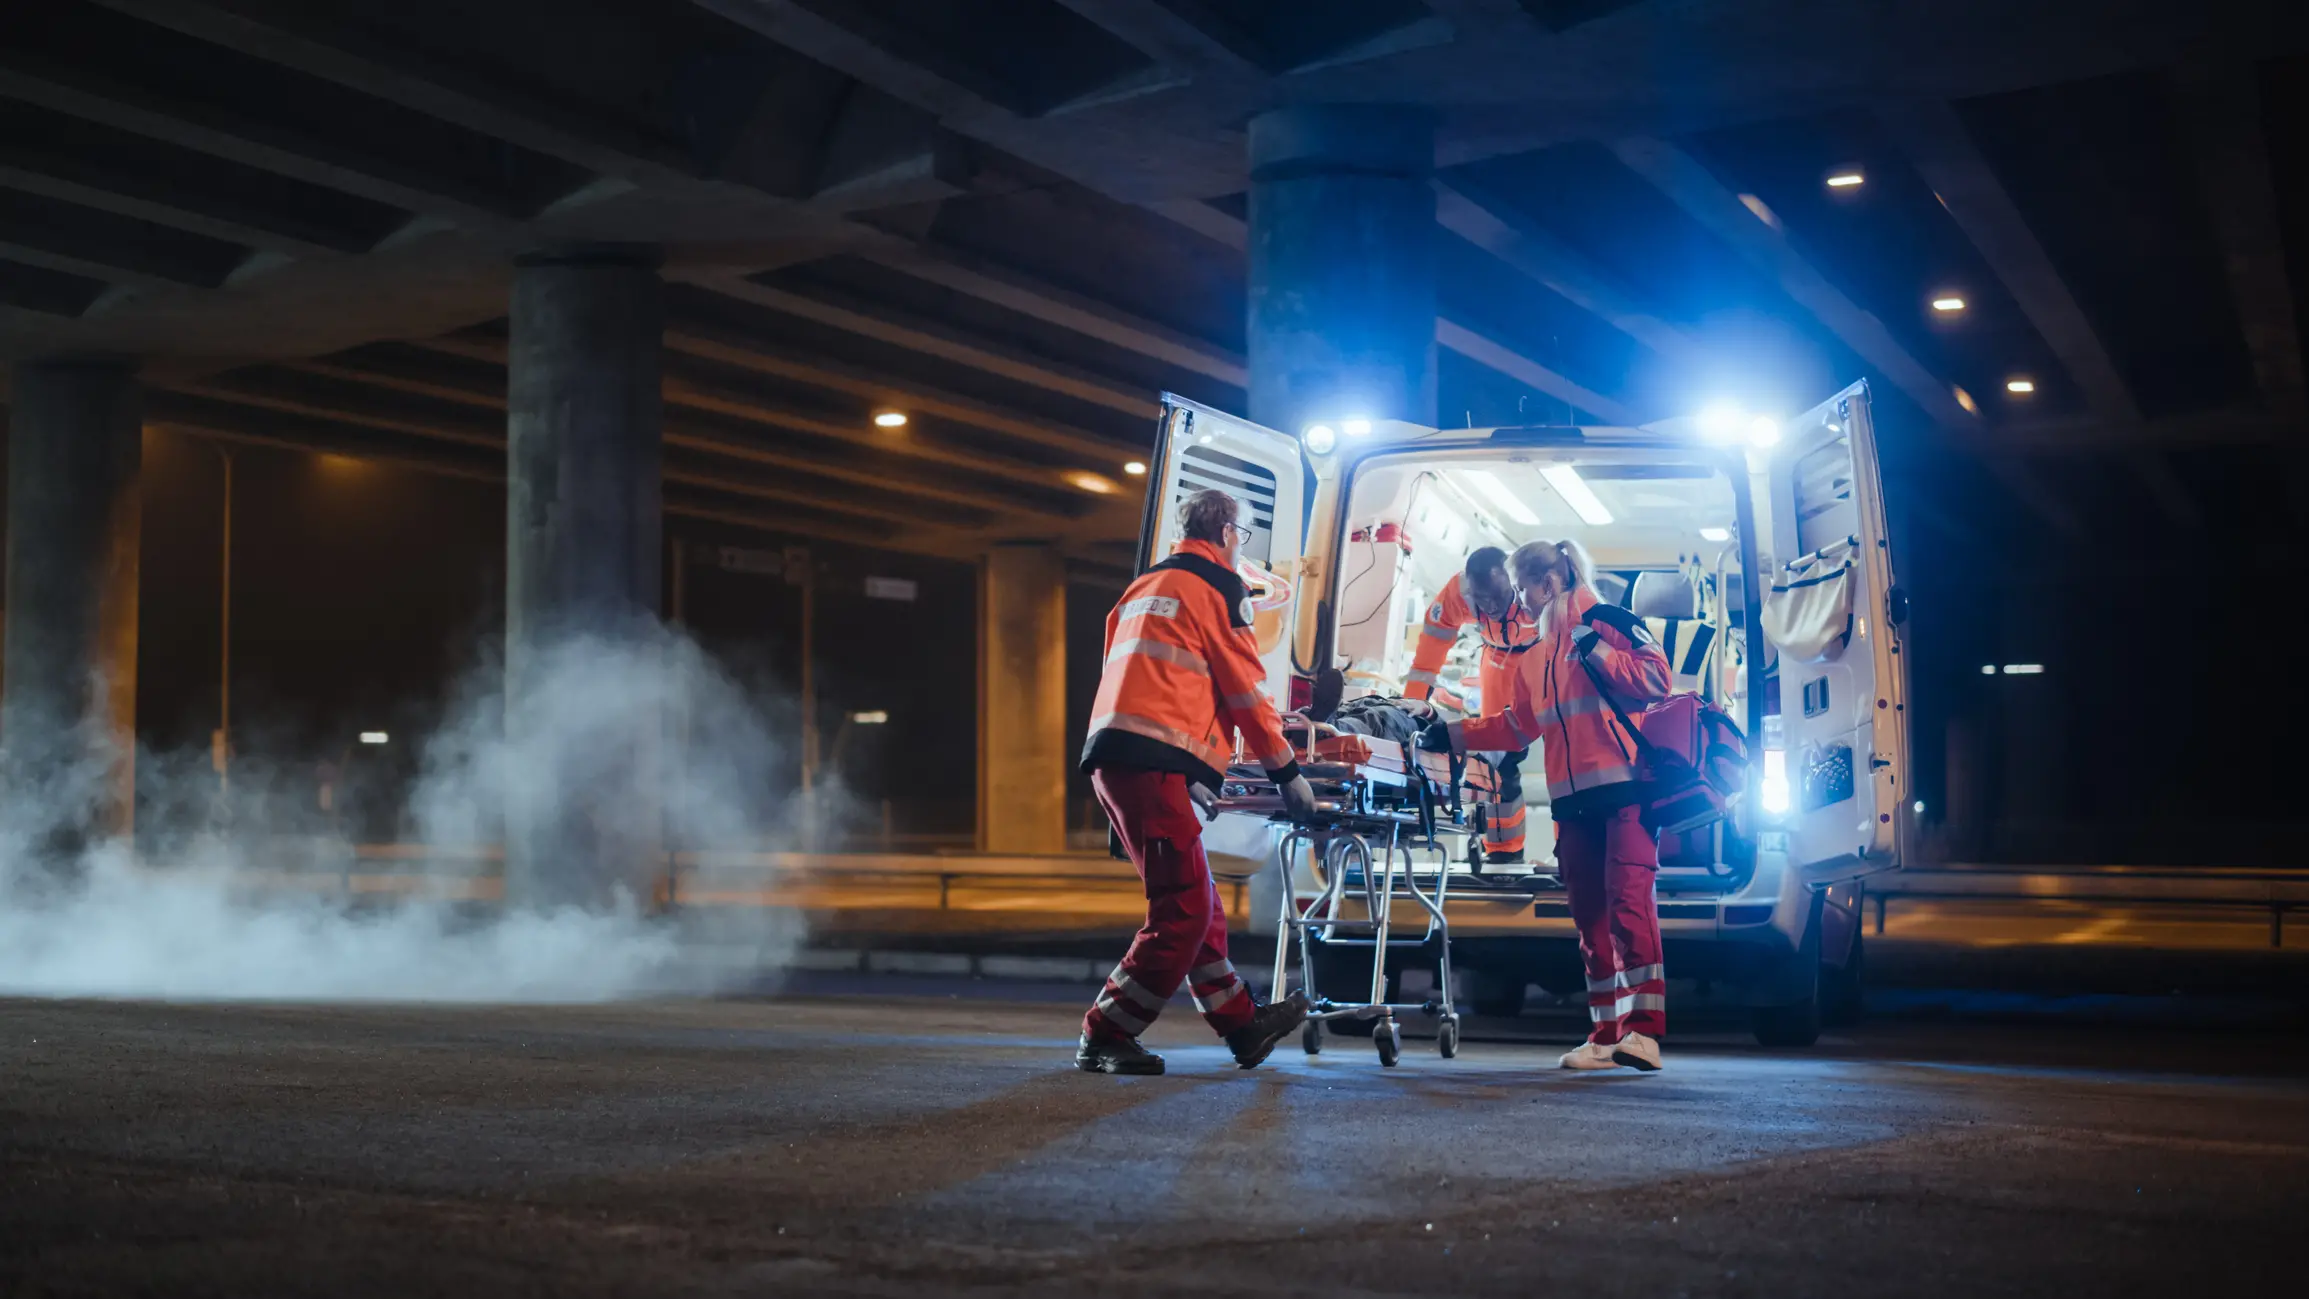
1591	759
1503	639
1182	675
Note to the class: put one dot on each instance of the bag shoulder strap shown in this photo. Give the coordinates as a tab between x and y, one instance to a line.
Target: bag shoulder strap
1635	732
1231	591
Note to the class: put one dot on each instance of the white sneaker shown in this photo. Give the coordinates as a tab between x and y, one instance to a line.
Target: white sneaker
1637	1052
1588	1055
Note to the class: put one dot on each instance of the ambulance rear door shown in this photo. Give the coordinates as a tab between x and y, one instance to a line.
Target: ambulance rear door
1198	447
1841	776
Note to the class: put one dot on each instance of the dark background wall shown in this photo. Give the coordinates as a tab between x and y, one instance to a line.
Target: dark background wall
362	592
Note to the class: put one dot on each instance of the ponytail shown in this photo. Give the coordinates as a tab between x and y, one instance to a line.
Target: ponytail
1566	560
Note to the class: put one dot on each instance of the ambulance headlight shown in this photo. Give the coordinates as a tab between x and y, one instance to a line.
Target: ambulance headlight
1773	793
1320	438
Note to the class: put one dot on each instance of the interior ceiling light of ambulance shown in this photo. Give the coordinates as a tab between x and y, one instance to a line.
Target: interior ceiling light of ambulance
1487	484
1577	494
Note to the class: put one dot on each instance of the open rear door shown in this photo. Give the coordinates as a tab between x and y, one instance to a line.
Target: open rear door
1843	680
1198	447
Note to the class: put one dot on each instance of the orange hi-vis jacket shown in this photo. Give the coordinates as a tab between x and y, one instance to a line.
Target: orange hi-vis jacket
1182	675
1591	760
1504	639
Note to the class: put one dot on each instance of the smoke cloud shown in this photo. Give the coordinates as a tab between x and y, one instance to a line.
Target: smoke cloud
641	743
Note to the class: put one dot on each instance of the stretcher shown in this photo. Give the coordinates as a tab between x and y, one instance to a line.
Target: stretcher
1380	809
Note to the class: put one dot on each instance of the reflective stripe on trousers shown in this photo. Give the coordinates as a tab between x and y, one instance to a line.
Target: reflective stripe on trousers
1610	866
1184	938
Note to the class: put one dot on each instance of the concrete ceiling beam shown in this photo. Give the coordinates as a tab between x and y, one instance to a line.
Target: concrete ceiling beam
90	183
1506	360
302	37
2220	106
933	338
1691	187
1182	35
1018	291
725	348
732	348
292	151
819	479
1488	223
1935	140
686	495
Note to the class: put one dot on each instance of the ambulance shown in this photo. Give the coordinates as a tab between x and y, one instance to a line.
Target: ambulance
1755	549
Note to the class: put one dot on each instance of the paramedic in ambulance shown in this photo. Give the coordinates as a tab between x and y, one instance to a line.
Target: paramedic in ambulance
1182	676
1483	596
1606	855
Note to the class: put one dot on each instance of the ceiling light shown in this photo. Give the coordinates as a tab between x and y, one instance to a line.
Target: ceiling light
2023	669
891	419
1762	210
1763	431
1715	534
1134	467
1965	400
1320	439
1845	180
1577	494
876	717
1356	428
373	737
1951	303
1988	669
1488	483
1092	483
2020	385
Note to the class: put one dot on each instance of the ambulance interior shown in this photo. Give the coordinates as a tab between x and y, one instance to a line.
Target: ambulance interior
1662	527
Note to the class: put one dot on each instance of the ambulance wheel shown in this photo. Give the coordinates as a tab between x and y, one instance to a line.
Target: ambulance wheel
1447	1037
1389	1035
1311	1037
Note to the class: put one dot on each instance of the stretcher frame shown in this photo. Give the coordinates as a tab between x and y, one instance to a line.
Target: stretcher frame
1372	820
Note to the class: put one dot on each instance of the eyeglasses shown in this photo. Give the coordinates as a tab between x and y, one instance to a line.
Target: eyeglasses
1238	529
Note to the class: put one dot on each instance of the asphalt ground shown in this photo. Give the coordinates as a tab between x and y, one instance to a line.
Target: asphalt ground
845	1143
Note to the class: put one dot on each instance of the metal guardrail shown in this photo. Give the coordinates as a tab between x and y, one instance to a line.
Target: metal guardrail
476	872
2277	891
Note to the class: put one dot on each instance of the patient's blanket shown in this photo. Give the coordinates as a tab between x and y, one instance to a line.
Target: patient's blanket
1381	717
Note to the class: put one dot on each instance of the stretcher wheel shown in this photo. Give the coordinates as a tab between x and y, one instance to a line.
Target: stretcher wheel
1389	1035
1311	1037
1447	1037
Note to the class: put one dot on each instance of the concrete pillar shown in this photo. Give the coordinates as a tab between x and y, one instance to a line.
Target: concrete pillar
1023	748
583	416
68	686
1342	265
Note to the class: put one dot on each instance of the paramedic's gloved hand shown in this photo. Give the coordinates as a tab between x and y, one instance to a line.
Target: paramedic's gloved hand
1204	800
1435	737
1299	798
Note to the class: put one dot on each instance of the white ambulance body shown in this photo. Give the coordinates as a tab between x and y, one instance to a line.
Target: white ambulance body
1693	524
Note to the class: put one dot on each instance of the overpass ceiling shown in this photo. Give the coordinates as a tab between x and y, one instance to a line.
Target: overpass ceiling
1018	220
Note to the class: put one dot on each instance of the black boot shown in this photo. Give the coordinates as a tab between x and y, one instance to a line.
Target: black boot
1269	1024
1115	1055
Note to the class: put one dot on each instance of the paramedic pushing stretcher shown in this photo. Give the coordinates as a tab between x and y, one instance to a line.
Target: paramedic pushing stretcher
1606	855
1483	596
1182	675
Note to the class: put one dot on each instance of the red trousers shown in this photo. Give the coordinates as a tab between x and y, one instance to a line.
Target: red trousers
1609	865
1184	939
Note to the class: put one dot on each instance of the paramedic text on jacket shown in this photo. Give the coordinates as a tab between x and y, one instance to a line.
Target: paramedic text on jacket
1181	677
1507	629
1606	856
